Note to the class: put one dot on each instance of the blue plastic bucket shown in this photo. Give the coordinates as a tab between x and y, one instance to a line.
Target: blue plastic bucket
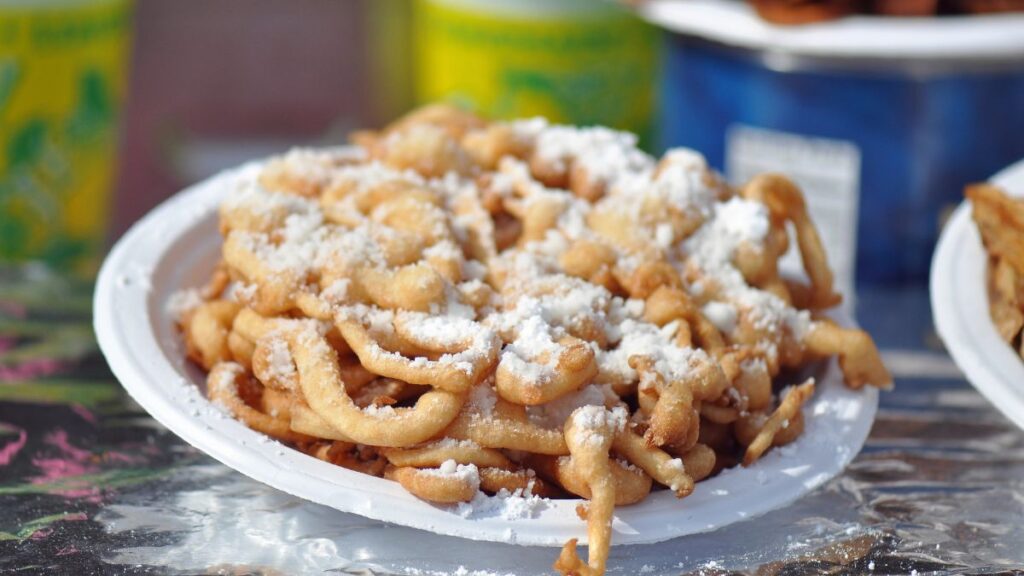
882	144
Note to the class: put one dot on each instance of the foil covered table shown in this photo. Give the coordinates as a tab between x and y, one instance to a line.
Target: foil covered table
89	484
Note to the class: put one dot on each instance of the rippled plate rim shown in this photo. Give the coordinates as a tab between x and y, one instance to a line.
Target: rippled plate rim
175	245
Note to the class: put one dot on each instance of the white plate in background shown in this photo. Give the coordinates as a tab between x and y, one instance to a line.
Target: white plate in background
974	37
176	246
959	296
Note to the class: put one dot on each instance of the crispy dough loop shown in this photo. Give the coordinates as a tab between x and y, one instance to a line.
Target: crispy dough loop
457	372
346	193
785	202
430	148
251	325
672	304
275	289
589	435
305	172
537	216
272	364
324	391
505	426
667	304
305	421
750	380
592	260
787	412
575	367
858	356
218	282
436	453
382	391
1000	220
206	331
431	335
489	145
631	483
759	265
434	485
1005	288
519	482
671	413
657	463
347	455
451	119
699	461
222	386
719	414
413	287
241	349
616	228
649	277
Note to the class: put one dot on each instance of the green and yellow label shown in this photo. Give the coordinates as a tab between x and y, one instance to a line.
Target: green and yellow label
595	67
62	76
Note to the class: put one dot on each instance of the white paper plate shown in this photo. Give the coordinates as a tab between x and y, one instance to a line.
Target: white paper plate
960	308
734	22
176	246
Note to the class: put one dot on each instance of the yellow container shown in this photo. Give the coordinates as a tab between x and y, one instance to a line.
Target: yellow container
62	77
575	61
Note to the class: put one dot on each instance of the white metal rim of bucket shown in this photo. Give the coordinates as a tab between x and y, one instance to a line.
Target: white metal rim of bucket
988	37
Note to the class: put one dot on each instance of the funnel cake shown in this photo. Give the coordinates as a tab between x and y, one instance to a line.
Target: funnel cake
517	308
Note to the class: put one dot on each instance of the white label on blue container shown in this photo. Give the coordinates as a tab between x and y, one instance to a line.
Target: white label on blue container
828	172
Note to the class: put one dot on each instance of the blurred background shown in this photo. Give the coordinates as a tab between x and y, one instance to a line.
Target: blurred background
107	107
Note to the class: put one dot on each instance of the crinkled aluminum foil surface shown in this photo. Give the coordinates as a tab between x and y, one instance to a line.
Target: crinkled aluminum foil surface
90	485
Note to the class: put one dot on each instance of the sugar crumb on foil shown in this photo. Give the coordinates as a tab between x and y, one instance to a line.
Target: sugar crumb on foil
460	571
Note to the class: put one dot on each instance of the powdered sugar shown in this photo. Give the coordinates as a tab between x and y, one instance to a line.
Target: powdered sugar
315	164
721	314
595	424
712	248
553	414
482	399
733	222
639	338
682	182
533	355
363	177
676	465
241	292
280	365
449	469
221	386
450	443
337	291
182	302
605	154
518	505
249	197
448	332
383	411
677	470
